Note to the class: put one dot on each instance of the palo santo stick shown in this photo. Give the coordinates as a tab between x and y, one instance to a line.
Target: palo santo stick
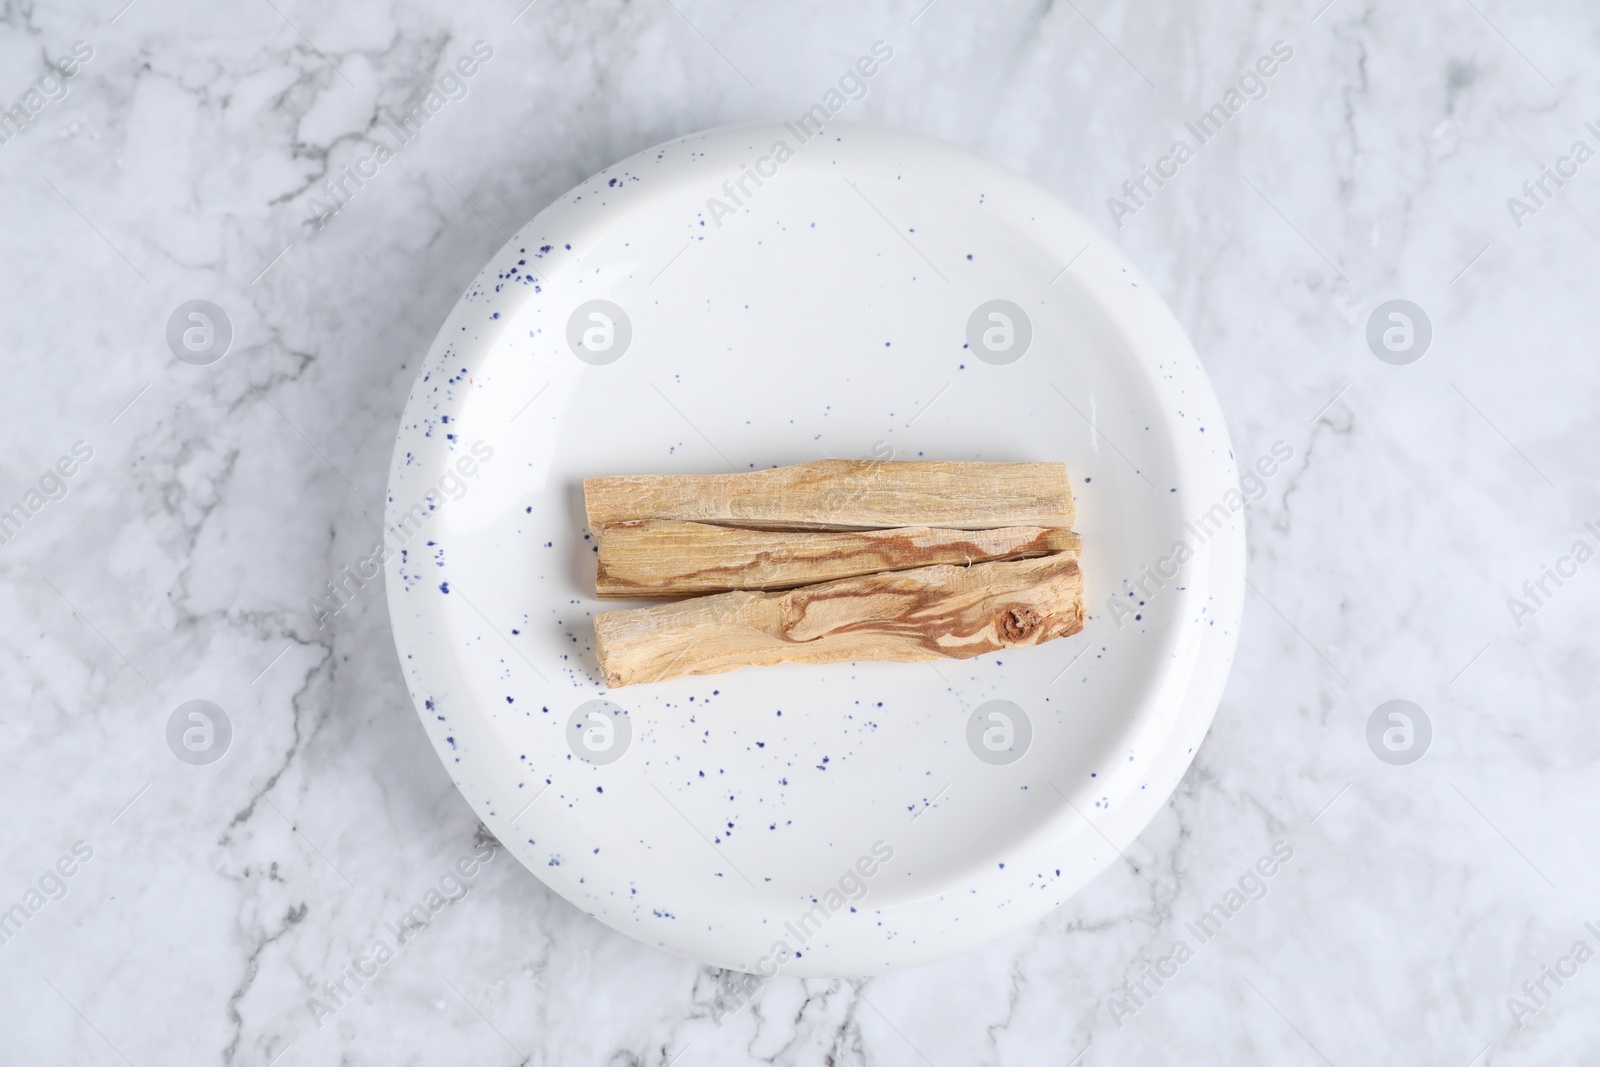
836	494
906	616
651	558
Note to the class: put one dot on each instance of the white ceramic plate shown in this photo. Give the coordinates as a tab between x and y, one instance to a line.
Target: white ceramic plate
818	820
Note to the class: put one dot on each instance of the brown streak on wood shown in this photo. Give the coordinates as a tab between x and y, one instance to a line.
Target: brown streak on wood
652	558
905	616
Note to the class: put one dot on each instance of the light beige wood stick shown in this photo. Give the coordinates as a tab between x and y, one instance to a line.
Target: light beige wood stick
836	494
906	616
650	558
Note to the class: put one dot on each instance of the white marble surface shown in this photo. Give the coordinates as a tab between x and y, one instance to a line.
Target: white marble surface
180	164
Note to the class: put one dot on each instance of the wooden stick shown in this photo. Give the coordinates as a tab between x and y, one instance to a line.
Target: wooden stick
836	494
906	616
651	558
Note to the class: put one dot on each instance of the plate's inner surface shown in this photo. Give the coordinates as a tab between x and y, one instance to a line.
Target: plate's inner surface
807	325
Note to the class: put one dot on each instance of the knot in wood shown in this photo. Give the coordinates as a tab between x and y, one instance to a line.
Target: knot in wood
1018	624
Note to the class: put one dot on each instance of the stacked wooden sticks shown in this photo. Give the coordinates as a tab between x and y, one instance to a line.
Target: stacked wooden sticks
831	561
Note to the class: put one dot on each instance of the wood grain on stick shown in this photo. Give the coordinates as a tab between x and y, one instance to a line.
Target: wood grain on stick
650	558
906	616
844	494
